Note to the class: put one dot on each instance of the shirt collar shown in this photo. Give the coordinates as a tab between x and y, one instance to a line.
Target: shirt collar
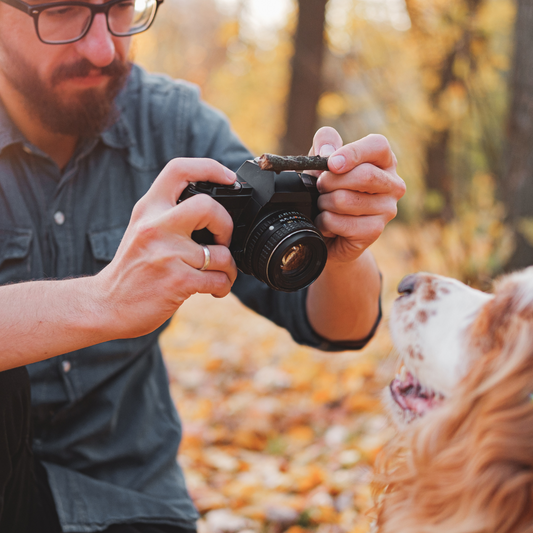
9	133
119	135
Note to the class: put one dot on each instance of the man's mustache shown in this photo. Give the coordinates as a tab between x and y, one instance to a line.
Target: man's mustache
84	67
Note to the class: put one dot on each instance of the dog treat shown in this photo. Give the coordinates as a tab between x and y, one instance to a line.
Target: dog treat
279	163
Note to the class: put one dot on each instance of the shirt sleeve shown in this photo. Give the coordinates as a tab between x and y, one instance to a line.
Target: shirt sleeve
211	136
288	310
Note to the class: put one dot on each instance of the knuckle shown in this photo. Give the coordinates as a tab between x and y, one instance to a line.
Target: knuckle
226	259
391	211
174	165
369	172
221	284
146	231
375	231
355	152
381	142
339	224
138	210
349	200
402	187
203	203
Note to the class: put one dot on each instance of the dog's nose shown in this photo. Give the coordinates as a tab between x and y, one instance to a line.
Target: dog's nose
408	284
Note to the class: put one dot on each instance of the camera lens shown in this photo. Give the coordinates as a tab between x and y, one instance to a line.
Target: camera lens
286	251
295	258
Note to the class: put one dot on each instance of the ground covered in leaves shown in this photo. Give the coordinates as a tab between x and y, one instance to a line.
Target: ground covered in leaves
276	436
279	437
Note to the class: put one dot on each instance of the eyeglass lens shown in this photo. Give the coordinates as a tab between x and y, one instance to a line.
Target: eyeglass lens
68	22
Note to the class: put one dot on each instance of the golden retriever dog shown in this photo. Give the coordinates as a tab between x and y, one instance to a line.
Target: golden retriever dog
463	400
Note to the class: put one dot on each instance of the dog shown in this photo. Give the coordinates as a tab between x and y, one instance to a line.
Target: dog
463	399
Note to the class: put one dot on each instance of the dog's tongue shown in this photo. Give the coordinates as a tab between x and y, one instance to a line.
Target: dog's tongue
410	395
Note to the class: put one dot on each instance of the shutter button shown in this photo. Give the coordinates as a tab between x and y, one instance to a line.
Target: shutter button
59	218
66	366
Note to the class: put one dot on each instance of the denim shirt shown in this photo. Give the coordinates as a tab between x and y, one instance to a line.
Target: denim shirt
106	428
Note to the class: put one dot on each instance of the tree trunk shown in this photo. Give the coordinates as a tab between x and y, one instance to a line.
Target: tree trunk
517	185
306	82
438	178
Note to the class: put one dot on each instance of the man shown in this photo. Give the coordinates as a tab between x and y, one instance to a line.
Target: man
84	146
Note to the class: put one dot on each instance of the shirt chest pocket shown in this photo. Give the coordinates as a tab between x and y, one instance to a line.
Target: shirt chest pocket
15	255
104	245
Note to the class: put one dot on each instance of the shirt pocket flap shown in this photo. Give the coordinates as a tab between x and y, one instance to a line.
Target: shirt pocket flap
105	243
14	244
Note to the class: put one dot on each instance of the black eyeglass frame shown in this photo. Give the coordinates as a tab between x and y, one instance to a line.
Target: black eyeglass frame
35	10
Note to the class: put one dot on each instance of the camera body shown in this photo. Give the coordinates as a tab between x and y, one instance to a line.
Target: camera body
274	238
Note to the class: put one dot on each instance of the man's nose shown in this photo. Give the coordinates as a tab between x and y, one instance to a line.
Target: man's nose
97	46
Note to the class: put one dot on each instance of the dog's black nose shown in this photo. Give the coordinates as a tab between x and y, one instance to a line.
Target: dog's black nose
408	284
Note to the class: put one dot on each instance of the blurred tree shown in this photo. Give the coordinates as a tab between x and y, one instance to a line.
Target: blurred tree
306	79
447	61
206	42
517	185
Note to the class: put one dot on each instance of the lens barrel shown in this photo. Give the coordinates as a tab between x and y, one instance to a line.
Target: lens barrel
286	251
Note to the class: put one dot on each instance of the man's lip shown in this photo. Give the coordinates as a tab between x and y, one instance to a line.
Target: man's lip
88	81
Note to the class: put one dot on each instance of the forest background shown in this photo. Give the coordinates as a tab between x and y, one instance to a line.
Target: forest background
279	437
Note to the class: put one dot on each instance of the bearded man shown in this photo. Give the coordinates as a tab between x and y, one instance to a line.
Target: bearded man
96	256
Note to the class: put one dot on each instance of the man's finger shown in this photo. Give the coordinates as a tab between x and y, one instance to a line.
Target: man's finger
178	173
215	282
199	212
374	149
364	178
353	203
216	259
365	229
325	142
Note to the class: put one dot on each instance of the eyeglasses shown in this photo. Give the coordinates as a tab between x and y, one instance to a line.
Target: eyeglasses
67	22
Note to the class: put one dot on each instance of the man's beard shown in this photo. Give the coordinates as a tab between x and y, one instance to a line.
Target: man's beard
85	115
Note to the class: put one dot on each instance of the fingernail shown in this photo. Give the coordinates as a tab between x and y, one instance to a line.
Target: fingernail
319	184
337	162
326	150
230	174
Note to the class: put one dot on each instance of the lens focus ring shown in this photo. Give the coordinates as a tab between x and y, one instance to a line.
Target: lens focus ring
286	251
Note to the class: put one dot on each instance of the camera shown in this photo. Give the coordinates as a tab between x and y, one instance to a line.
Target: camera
274	238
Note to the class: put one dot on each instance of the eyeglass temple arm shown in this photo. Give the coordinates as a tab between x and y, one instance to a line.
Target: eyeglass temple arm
18	4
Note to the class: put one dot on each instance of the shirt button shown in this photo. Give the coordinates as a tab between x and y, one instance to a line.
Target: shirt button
59	218
66	366
27	149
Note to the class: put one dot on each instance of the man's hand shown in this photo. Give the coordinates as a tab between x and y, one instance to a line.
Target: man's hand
358	194
156	267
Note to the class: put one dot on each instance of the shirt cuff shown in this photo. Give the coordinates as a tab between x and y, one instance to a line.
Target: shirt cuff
341	346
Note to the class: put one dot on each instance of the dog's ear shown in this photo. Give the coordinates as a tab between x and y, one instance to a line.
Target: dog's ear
468	466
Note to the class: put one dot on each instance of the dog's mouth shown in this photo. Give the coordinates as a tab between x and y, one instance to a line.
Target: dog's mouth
411	396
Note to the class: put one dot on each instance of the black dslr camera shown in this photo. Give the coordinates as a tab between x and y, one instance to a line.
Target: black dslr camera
274	238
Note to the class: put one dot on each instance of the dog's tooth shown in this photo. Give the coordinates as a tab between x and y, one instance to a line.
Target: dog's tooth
403	373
